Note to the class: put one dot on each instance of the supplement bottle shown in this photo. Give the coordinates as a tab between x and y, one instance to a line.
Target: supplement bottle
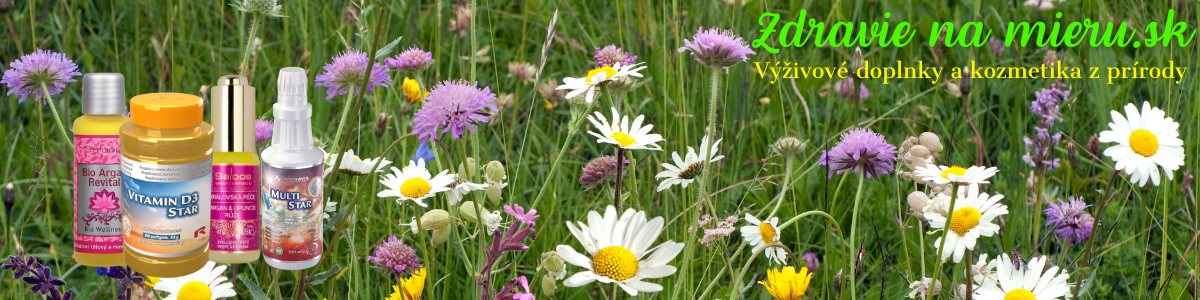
97	171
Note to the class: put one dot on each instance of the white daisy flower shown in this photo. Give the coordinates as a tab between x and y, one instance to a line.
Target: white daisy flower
954	174
972	217
620	250
414	183
1146	141
460	189
1033	281
353	164
330	207
622	134
983	270
685	170
587	85
207	283
762	233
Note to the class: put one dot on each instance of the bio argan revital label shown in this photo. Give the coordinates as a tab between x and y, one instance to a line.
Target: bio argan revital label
97	198
235	190
291	213
165	208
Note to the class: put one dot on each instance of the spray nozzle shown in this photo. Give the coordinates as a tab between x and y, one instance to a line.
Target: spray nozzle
293	95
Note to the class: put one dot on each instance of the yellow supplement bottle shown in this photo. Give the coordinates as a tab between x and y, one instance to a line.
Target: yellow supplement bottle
98	171
166	180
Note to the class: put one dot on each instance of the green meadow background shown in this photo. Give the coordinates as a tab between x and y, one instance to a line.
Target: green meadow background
182	46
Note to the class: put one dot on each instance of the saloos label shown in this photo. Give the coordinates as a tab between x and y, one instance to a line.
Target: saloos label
97	194
165	208
235	208
291	213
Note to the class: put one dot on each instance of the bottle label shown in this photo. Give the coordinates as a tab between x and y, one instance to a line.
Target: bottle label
291	214
165	208
235	208
97	188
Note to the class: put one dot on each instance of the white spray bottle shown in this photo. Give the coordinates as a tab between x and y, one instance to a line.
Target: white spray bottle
292	183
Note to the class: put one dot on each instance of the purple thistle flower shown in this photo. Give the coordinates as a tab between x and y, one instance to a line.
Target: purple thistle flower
811	260
1039	148
611	54
861	150
350	70
717	48
521	215
413	59
845	89
29	72
395	257
263	130
453	106
1068	220
599	171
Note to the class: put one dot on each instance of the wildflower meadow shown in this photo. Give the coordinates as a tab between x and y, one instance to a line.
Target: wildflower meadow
538	149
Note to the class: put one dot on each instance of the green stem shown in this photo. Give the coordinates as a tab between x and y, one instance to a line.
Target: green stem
337	137
244	68
57	119
945	229
711	133
853	244
787	180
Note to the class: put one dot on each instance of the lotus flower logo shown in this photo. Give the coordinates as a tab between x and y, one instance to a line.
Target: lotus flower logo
104	202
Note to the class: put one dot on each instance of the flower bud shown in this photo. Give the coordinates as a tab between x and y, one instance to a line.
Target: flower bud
788	146
837	282
9	197
764	101
931	141
494	192
467	169
381	124
918	200
964	83
466	211
919	151
856	62
440	236
494	171
1093	146
1051	59
435	220
548	285
553	264
1072	154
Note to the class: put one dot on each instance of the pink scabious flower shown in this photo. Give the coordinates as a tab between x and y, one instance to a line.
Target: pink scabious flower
413	59
845	89
1069	221
454	107
599	171
350	70
263	130
861	150
717	47
31	71
611	54
394	257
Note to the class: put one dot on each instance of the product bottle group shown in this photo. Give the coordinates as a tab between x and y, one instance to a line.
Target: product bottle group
164	192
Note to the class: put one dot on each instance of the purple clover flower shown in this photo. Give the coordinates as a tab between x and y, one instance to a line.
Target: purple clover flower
599	171
349	69
1069	221
845	89
611	55
263	130
861	150
31	71
1039	148
454	107
396	258
811	259
717	47
413	59
521	215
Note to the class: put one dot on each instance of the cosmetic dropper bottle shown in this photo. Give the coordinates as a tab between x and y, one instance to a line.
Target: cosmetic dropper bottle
235	184
292	183
98	171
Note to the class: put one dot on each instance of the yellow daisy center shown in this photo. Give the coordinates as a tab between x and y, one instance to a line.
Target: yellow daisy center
615	262
194	290
608	72
1019	294
964	220
768	233
956	170
1143	142
624	139
414	188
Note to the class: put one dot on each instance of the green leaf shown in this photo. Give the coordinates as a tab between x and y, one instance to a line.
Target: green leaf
321	277
255	291
387	50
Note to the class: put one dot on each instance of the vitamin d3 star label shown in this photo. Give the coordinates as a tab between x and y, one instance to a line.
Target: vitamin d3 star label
97	199
165	208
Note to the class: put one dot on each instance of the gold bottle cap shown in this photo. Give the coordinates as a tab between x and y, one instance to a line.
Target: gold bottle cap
232	101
